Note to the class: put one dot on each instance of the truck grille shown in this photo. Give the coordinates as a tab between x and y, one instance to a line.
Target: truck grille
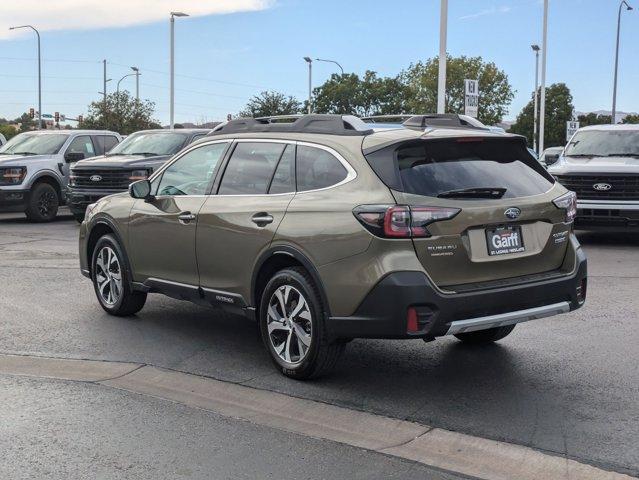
102	178
622	186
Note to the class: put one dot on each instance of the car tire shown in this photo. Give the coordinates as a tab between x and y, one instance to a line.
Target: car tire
111	279
43	203
489	335
297	340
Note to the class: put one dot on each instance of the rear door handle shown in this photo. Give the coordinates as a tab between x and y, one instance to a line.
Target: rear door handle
262	219
186	217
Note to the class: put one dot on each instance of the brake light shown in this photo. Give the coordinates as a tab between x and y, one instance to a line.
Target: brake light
567	202
401	221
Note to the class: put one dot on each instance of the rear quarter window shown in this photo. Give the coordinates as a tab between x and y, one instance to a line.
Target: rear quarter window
434	167
317	168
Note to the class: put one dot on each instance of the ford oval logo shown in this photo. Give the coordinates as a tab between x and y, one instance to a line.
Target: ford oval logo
95	178
512	213
602	187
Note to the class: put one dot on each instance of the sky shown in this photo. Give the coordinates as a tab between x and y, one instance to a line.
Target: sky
229	50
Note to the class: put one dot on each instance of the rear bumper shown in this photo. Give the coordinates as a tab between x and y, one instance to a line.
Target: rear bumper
609	215
383	313
13	200
78	199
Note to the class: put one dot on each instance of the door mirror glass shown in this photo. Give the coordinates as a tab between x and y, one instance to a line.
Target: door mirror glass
73	156
140	189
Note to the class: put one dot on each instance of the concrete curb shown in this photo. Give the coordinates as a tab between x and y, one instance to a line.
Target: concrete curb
443	449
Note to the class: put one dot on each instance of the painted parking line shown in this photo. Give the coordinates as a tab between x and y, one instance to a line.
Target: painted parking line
447	450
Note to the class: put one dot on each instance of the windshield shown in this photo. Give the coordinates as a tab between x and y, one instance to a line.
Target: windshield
158	143
34	144
461	168
604	143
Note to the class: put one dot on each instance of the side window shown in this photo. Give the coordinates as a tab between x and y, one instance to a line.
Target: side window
192	173
284	177
250	168
104	143
82	144
197	137
317	168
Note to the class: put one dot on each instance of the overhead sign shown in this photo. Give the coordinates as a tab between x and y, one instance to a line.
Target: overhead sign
471	97
571	128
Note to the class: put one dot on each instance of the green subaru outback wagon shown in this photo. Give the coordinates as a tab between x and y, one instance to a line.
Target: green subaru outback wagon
324	230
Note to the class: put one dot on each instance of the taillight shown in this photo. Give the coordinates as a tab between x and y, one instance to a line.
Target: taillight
401	221
567	202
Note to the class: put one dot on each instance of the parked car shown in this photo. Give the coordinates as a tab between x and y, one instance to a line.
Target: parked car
134	159
550	156
601	164
34	168
324	230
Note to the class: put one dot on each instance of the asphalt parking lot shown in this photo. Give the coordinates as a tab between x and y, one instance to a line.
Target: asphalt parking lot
567	385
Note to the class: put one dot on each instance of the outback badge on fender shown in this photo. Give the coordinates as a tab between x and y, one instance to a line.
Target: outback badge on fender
512	213
95	178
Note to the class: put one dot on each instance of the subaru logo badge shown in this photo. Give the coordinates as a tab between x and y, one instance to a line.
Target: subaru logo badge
512	213
95	178
602	187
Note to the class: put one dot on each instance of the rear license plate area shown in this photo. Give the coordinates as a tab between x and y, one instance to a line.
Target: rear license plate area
504	240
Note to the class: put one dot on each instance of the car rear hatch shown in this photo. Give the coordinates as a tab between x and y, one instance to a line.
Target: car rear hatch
484	204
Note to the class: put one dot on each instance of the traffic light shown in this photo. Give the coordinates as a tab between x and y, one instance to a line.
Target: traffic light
56	116
80	118
32	113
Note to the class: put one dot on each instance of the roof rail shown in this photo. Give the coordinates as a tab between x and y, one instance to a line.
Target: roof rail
388	118
312	123
448	120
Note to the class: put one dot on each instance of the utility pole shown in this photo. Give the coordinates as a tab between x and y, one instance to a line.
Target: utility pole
542	102
104	82
613	118
441	80
172	68
535	114
137	82
310	84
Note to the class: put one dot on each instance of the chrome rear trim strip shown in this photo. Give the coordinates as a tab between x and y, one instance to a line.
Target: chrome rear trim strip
510	318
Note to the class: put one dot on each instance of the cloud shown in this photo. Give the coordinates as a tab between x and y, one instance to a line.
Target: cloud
94	14
486	12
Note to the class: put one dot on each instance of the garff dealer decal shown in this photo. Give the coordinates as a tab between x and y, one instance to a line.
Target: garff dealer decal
506	241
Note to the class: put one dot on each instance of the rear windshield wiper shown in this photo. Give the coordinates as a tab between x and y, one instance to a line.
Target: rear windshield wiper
25	153
587	155
487	192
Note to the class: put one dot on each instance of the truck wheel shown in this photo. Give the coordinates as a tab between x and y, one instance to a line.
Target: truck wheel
43	203
485	336
111	279
293	327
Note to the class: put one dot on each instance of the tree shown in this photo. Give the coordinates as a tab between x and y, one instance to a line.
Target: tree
593	119
559	110
122	113
8	131
370	95
495	92
271	103
631	118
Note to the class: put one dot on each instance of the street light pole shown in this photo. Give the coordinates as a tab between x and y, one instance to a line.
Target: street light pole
137	82
172	68
331	61
613	118
309	60
39	72
536	50
441	79
542	102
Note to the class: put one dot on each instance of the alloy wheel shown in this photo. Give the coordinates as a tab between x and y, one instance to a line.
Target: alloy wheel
289	324
46	203
108	276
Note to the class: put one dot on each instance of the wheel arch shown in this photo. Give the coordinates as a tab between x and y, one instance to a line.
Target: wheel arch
100	227
277	258
47	176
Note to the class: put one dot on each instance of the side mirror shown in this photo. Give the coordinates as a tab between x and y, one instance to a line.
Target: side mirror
550	159
73	156
141	189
